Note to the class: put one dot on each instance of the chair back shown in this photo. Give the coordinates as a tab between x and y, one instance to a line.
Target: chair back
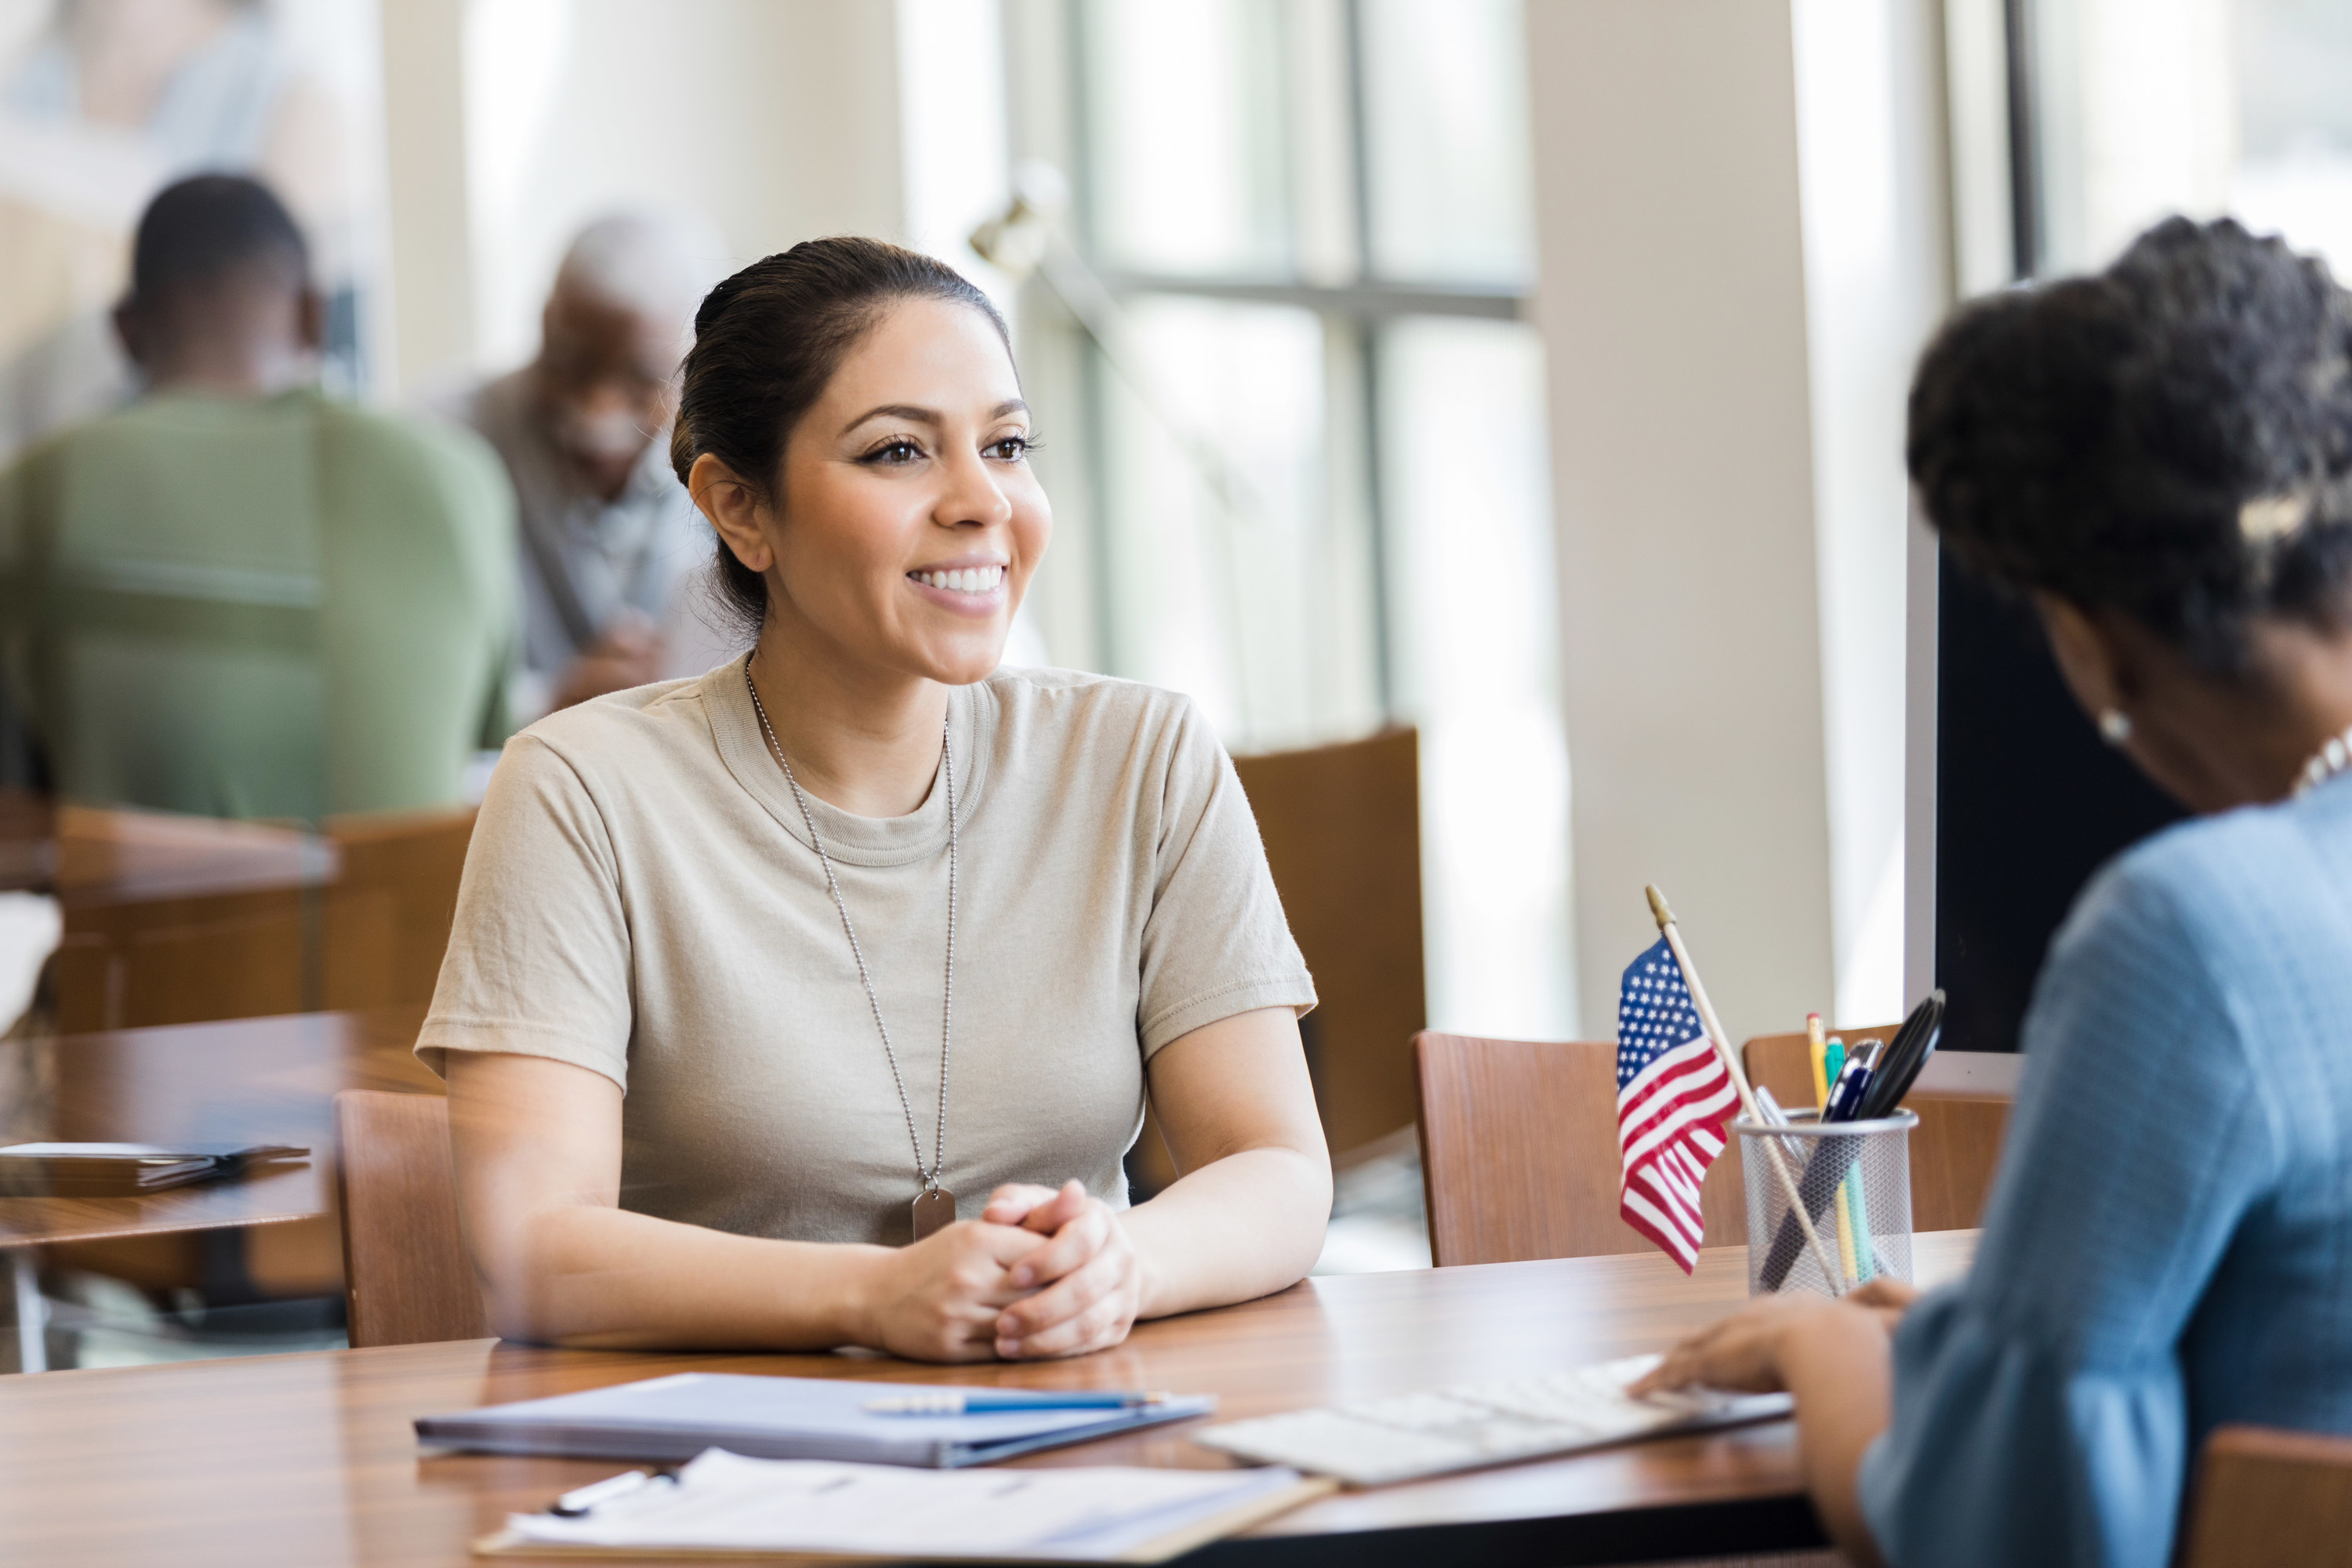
181	919
407	1277
387	916
1519	1147
1962	1099
2267	1499
1341	826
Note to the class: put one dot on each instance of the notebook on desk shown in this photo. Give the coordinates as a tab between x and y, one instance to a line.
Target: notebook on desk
126	1170
725	1505
676	1417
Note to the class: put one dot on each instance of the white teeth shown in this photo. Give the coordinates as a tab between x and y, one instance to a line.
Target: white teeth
963	580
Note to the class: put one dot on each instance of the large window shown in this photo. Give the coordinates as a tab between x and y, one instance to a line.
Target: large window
2131	109
1312	491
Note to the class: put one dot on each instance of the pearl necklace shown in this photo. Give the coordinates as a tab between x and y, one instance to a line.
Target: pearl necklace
2325	762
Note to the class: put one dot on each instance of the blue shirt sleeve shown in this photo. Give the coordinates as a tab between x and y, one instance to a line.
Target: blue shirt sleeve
2040	1413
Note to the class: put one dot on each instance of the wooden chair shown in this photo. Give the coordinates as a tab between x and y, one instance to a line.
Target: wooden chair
407	1279
1962	1099
1341	826
387	916
1518	1148
2268	1499
1342	831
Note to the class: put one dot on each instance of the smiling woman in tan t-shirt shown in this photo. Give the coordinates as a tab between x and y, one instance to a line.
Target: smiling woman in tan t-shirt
862	941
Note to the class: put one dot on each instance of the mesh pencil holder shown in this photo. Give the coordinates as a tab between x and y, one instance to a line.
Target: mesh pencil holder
1856	1179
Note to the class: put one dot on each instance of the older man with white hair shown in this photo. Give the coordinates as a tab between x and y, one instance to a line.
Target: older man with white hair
611	546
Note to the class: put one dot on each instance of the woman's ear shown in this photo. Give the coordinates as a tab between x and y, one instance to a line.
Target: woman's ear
2091	660
734	509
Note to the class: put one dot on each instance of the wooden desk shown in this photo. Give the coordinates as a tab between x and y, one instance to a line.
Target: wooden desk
310	1458
254	1080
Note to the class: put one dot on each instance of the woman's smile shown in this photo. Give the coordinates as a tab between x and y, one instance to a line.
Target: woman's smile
966	587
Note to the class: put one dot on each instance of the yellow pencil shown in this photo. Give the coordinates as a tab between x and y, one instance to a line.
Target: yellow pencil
1820	1049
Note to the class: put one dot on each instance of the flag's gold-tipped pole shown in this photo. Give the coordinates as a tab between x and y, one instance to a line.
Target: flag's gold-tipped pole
1722	1043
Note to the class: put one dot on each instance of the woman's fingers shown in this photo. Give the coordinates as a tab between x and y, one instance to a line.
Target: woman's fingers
1740	1353
1680	1367
1042	1209
1091	1308
1066	1248
1013	1202
1064	1300
1065	1206
1103	1324
1886	1294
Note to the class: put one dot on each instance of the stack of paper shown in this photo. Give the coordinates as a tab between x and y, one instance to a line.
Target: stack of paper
723	1502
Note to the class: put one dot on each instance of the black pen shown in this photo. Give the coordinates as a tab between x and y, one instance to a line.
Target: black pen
577	1503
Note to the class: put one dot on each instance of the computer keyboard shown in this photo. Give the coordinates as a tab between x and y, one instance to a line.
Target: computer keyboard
1409	1436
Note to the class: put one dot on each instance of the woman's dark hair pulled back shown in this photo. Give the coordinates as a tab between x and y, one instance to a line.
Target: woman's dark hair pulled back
766	342
2170	439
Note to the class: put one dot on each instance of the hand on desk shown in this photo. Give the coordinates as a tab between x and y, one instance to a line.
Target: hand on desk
1086	1275
1745	1353
940	1299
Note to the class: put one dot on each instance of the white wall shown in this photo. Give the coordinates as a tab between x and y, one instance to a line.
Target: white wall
777	119
425	145
1738	256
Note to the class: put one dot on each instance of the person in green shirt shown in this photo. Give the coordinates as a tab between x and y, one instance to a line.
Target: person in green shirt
238	597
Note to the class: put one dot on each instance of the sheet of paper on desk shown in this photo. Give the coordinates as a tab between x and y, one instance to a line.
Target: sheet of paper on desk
724	1502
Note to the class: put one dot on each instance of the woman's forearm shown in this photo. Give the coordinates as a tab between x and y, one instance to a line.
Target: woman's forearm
1837	1365
598	1276
1236	1228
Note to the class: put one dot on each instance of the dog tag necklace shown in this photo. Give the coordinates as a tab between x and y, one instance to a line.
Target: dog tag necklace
934	1205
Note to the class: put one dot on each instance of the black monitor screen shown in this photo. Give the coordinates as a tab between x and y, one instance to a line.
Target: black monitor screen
2028	803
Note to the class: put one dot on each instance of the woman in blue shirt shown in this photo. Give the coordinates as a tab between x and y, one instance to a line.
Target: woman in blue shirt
2160	458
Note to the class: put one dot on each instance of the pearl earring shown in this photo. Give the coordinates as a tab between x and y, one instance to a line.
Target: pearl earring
2115	726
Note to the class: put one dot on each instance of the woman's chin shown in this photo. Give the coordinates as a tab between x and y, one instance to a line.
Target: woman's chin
966	663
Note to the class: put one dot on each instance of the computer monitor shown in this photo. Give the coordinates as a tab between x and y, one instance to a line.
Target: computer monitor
2028	803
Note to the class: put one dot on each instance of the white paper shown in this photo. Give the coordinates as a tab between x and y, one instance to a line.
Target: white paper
723	1501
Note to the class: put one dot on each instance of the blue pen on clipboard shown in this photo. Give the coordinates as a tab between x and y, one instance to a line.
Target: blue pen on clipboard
984	1402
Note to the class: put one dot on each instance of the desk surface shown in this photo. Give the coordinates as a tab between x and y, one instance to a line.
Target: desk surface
252	1081
113	855
314	1455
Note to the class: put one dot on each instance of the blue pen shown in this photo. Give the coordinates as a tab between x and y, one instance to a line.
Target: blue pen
983	1403
1846	1098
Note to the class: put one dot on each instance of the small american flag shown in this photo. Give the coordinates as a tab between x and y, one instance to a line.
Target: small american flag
1673	1099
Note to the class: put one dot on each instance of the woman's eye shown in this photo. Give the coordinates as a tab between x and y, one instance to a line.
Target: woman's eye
1011	449
895	453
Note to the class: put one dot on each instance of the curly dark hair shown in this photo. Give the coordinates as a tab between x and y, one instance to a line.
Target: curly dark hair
766	342
2170	439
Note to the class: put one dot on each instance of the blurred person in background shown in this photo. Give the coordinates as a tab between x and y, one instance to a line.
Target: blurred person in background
238	597
107	101
611	547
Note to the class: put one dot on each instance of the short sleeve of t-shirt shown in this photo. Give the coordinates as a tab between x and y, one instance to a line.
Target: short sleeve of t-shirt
1216	943
539	959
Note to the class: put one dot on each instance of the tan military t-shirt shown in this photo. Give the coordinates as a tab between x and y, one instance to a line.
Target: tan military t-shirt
641	900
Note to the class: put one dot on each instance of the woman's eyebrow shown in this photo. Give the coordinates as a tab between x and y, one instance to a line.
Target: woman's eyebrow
931	416
894	411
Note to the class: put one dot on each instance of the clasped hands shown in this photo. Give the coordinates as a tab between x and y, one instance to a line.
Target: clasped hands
1041	1274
